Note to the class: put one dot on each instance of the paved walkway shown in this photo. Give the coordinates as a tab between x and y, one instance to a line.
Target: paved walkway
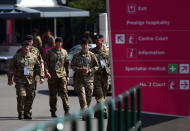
8	113
9	121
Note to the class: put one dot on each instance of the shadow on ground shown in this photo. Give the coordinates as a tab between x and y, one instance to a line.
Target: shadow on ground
46	92
147	119
70	92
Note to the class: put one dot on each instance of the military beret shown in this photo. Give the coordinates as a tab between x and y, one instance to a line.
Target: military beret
28	37
25	43
98	36
84	41
58	39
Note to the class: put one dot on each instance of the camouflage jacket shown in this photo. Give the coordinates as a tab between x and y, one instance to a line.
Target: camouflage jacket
48	41
38	43
57	63
81	59
102	54
34	51
18	65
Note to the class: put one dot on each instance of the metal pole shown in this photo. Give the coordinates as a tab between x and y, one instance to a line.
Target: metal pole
74	122
126	112
139	113
89	120
101	118
120	116
55	27
112	115
133	112
74	125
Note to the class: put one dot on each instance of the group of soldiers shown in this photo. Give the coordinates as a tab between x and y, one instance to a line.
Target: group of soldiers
91	72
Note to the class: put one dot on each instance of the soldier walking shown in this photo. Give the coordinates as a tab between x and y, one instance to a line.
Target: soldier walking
36	52
101	83
57	72
84	64
47	39
103	72
22	67
37	41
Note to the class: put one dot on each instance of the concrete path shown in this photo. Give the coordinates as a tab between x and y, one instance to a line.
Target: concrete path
9	121
8	111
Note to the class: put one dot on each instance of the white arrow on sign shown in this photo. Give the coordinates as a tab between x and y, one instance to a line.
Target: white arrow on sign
120	38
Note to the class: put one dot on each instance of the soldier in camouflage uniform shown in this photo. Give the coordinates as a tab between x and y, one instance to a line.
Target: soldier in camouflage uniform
101	83
22	69
35	51
37	42
48	40
57	71
87	36
84	64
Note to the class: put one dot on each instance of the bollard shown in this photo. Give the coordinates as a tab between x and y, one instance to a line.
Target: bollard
111	119
74	122
101	118
120	116
126	111
89	120
139	113
133	112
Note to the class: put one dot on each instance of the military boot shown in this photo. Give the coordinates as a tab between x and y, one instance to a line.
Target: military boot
53	114
27	116
97	115
67	112
20	116
84	118
105	114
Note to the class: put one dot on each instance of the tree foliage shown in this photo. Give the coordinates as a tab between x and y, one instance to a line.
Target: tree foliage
93	6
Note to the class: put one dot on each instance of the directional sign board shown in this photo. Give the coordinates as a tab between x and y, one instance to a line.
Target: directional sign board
150	47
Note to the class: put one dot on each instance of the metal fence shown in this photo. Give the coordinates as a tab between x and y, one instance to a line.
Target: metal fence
124	114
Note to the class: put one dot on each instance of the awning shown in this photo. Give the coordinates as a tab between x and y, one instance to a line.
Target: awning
42	12
19	12
61	11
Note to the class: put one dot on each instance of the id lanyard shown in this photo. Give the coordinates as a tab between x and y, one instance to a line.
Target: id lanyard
100	55
58	56
102	61
83	60
23	61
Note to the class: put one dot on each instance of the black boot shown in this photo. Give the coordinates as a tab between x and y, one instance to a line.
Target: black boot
105	114
53	114
97	115
84	118
20	116
27	116
67	112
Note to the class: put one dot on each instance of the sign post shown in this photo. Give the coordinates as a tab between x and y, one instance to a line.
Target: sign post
150	47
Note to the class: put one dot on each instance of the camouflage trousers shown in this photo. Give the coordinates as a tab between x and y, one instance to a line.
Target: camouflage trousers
101	86
85	92
25	96
58	85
